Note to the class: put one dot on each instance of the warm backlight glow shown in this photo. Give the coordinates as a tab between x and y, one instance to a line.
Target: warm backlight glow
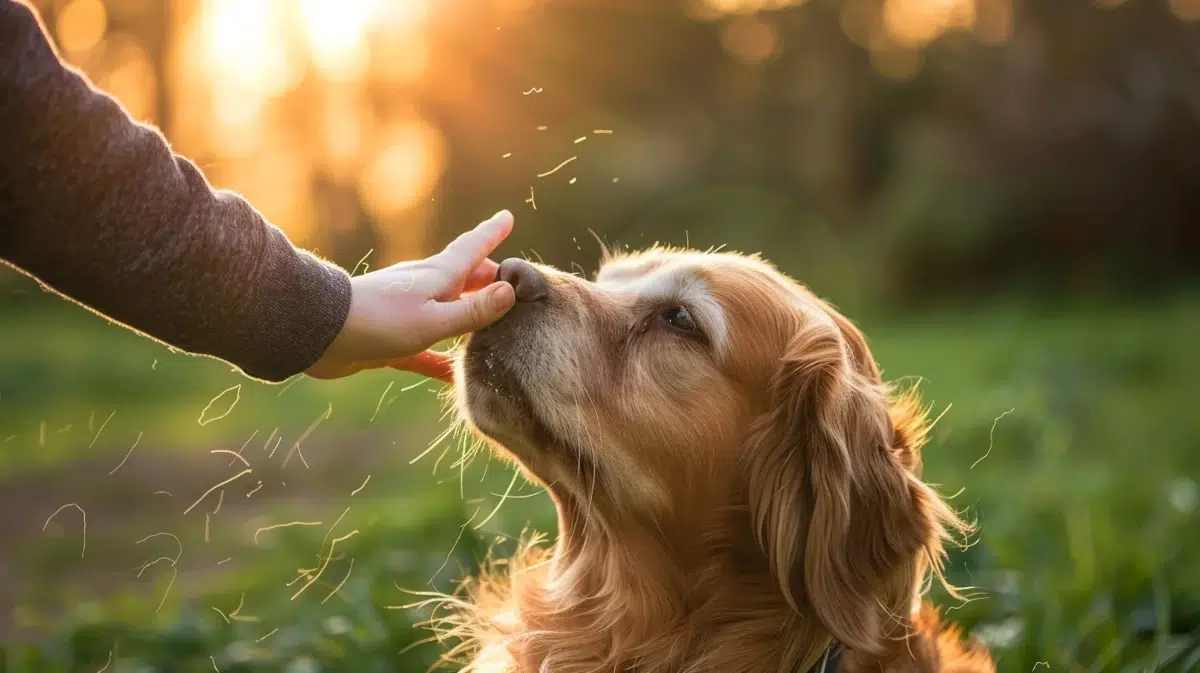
131	79
338	32
81	25
337	36
346	123
917	22
244	45
292	78
405	169
894	31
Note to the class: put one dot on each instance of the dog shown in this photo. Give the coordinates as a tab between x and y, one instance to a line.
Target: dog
737	490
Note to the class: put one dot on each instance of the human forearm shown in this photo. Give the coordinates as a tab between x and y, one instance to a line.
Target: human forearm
99	209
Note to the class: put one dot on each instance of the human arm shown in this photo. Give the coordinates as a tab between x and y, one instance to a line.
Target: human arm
99	209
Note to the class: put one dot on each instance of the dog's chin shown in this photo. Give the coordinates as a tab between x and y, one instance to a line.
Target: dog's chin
495	401
498	416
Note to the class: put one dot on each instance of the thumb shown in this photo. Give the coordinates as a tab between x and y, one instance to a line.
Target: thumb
477	310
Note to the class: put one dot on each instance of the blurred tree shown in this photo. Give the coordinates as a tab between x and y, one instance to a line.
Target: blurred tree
907	149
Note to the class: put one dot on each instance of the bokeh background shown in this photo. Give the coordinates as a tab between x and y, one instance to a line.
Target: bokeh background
1005	194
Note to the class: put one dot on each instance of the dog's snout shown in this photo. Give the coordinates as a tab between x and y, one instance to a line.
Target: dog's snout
528	283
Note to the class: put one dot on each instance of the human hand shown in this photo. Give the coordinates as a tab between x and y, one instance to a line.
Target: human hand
398	313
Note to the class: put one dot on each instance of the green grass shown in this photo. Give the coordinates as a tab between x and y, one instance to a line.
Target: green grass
69	371
1070	436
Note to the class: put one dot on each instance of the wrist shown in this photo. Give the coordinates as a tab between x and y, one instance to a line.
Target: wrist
339	357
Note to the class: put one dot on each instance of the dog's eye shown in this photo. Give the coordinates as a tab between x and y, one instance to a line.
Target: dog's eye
678	318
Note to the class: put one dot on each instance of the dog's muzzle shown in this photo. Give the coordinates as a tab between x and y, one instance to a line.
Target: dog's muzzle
492	354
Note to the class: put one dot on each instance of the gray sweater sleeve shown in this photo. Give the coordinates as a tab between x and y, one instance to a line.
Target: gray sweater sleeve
98	208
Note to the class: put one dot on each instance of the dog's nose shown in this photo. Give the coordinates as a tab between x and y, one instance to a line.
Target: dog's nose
528	283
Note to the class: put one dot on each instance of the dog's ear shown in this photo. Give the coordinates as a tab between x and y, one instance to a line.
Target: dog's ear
836	504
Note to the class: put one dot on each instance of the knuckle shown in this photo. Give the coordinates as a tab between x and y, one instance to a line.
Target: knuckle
479	311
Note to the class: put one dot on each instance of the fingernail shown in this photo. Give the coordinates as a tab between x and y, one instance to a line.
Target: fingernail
501	214
502	298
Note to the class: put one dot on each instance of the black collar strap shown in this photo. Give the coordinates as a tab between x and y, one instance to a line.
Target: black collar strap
830	661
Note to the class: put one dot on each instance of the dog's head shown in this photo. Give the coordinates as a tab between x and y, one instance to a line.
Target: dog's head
679	383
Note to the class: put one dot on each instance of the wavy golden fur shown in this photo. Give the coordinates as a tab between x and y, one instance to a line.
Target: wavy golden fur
737	489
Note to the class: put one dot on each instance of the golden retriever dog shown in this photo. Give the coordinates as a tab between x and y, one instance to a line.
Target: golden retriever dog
737	490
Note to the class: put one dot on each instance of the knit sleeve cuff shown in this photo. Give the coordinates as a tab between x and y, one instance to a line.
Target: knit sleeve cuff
296	325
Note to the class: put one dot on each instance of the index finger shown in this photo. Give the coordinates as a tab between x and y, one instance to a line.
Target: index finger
470	249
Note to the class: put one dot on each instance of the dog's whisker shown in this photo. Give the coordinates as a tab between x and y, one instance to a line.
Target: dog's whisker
503	498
